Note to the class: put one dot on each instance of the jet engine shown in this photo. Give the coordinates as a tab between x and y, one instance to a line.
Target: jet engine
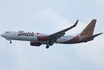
42	38
32	43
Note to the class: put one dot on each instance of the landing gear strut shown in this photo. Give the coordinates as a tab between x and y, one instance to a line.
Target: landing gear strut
47	47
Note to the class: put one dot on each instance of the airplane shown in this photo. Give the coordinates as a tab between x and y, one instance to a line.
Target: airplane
37	39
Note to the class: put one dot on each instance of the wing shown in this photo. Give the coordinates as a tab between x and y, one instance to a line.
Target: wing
55	36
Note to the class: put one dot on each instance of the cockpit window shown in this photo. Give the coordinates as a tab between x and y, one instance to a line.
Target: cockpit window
7	32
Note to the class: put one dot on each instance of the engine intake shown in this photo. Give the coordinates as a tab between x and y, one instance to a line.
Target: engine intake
42	38
32	43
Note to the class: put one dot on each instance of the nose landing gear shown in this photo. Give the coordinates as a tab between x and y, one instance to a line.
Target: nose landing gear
47	47
10	42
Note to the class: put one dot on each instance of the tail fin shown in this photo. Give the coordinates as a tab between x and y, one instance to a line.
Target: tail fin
88	31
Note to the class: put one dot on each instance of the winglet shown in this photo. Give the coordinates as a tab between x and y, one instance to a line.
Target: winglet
75	23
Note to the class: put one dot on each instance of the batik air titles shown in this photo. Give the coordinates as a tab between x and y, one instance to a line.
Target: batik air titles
37	39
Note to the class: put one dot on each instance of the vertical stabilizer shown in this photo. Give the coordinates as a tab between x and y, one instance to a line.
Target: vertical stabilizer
88	31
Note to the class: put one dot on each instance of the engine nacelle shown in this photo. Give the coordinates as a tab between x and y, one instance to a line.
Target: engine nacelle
32	43
42	38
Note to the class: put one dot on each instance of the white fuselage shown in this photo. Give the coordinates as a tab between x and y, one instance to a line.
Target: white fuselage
37	39
30	36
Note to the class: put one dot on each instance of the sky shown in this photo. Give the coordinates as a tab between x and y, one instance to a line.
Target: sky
50	16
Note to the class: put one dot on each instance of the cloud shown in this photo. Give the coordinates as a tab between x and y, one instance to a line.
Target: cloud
0	25
52	19
3	15
21	59
93	52
55	22
22	56
100	2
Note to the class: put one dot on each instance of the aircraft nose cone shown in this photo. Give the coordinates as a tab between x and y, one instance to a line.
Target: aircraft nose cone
1	35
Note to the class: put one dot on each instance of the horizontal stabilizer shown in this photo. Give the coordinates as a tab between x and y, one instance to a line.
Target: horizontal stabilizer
93	36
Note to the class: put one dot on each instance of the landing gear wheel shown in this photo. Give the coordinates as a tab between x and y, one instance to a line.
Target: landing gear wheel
10	42
47	47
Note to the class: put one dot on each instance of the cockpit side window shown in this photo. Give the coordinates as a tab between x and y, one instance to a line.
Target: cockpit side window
7	32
